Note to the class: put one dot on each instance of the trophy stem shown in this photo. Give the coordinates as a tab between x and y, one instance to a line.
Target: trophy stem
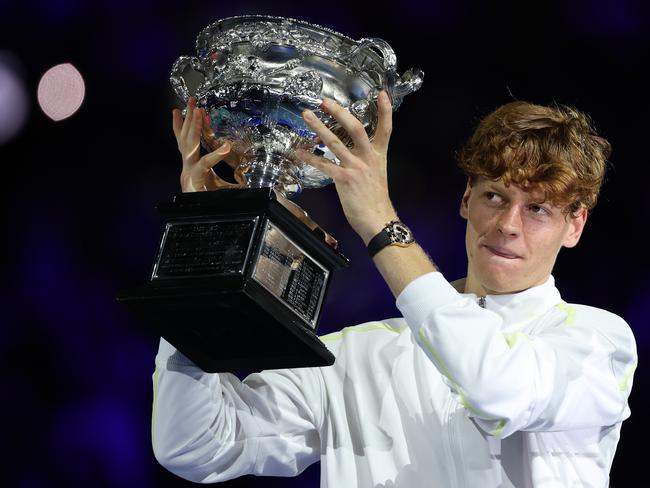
271	170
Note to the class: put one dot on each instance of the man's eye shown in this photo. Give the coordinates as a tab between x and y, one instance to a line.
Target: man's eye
538	210
491	196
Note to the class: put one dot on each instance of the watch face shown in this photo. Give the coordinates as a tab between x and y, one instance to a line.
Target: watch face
400	234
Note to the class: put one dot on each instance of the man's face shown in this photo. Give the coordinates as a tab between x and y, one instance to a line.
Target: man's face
513	236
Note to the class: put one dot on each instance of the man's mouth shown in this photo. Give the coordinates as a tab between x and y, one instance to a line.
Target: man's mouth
502	252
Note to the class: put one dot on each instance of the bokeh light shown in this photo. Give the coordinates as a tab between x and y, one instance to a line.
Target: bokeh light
61	91
13	99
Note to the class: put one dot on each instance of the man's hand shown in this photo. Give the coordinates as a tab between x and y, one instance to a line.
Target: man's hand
197	173
361	180
362	184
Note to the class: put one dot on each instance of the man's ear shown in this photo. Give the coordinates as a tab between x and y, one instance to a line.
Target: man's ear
576	226
464	210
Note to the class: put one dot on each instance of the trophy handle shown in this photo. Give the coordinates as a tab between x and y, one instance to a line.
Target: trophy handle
176	78
390	62
409	82
396	86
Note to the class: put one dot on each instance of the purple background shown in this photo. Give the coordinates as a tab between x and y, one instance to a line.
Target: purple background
80	224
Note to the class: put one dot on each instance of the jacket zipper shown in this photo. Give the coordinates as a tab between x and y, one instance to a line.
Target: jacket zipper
481	302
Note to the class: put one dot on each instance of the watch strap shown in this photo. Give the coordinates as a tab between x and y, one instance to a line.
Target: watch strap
379	242
394	232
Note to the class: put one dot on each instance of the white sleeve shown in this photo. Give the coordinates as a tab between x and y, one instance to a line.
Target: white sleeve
574	374
213	427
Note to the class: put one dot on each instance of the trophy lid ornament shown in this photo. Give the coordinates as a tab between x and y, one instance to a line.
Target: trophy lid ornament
254	75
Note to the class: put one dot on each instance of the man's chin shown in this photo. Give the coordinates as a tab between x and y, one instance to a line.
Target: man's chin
501	283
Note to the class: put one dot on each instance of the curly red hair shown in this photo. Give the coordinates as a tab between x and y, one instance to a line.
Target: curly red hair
553	149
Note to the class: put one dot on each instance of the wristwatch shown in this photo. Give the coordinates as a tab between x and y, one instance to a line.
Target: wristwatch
394	233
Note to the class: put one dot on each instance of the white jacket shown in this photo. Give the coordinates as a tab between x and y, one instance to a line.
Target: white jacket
527	392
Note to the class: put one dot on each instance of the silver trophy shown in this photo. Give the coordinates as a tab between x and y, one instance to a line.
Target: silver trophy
255	75
241	273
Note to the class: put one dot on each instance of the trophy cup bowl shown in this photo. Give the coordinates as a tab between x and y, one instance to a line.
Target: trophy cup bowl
241	272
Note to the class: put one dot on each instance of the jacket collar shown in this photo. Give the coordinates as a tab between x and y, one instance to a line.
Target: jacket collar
519	308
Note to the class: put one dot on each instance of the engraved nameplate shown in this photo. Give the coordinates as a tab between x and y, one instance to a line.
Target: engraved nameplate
290	274
204	248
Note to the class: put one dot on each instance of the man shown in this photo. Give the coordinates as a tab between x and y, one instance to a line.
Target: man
493	381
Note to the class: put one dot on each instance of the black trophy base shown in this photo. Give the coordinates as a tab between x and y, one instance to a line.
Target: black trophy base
238	283
229	331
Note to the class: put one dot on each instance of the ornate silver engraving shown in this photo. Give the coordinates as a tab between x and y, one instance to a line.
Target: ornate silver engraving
258	73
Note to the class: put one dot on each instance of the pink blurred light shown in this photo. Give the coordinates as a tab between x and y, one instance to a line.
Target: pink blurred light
61	91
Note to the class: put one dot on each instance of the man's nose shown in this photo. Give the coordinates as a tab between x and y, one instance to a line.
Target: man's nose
509	222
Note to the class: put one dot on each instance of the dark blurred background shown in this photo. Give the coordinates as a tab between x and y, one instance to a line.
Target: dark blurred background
78	197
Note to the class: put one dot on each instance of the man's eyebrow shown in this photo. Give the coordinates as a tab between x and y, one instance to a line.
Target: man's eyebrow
539	198
536	199
495	188
539	201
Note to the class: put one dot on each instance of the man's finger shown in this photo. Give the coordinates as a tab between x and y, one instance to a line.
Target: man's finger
349	122
330	139
214	182
192	156
212	158
384	122
207	131
186	182
177	123
196	126
189	112
320	163
202	175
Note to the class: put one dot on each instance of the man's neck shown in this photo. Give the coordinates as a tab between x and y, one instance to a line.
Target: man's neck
459	285
472	285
